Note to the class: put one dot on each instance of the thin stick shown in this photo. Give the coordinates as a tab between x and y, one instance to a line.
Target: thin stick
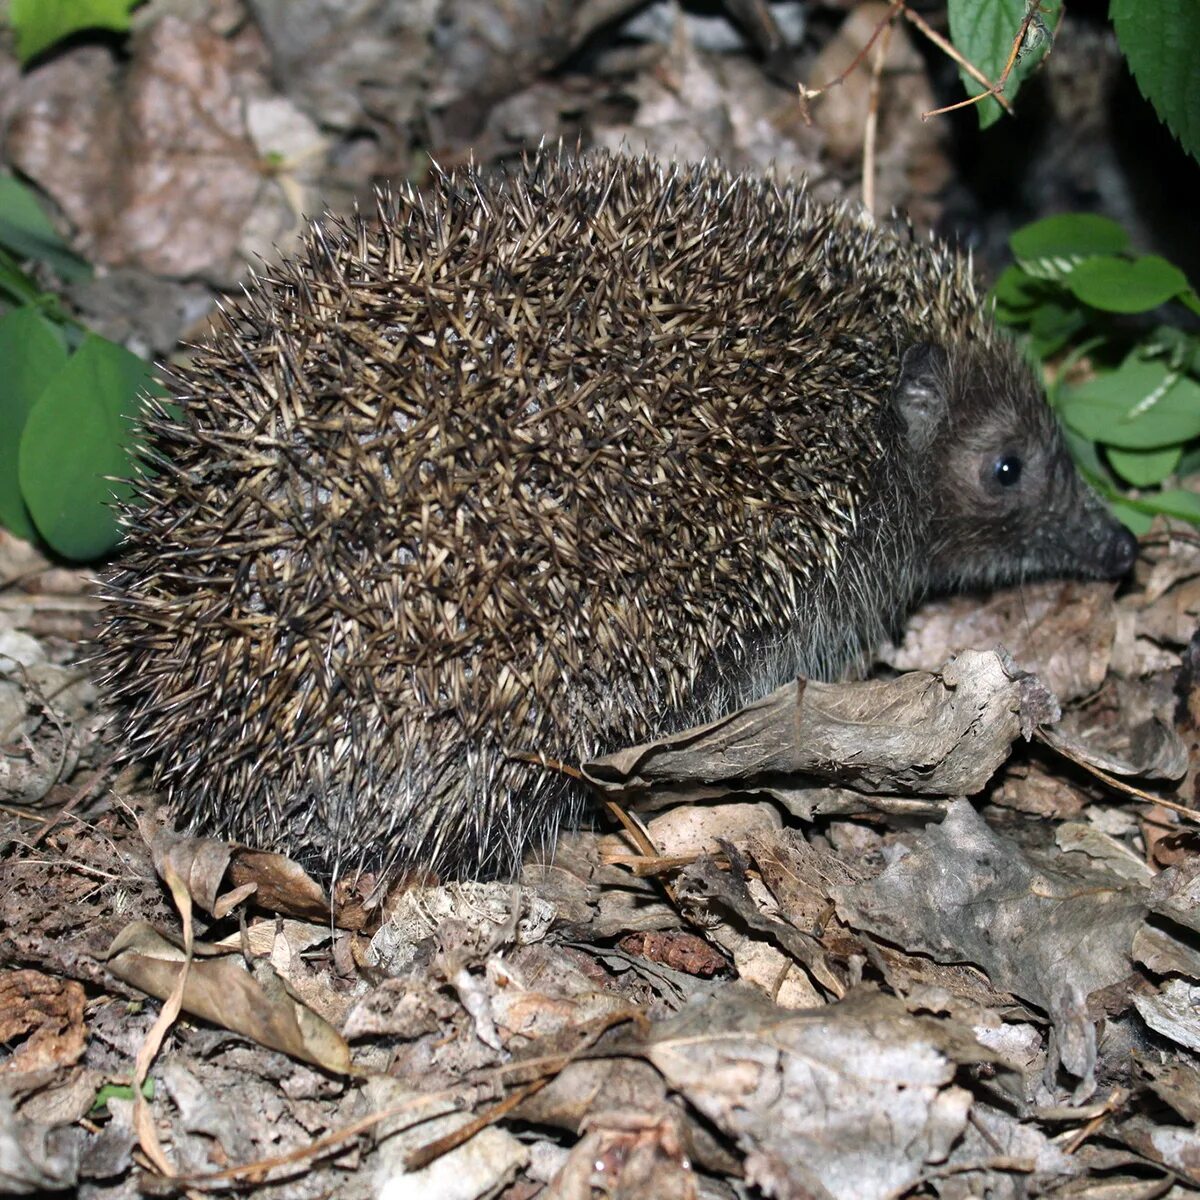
807	93
872	127
1121	786
996	89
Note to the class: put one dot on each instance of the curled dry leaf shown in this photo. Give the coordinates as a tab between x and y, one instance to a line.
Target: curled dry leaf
1174	1012
942	733
1174	1146
276	882
1156	752
1164	954
222	991
1103	849
1176	893
1061	631
1175	1083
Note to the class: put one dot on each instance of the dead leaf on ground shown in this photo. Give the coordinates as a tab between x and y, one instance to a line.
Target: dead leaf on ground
1050	934
221	990
275	882
174	118
1152	751
478	1167
34	1158
795	1089
41	1020
1062	631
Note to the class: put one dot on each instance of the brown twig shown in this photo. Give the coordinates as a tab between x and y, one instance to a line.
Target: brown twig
871	130
1121	786
1116	1098
1032	13
807	93
81	794
948	49
424	1155
256	1171
551	764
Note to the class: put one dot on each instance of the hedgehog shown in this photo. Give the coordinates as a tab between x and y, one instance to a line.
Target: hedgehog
539	463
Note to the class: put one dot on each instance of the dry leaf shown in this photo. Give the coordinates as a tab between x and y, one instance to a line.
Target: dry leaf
1049	934
943	733
41	1019
222	991
796	1090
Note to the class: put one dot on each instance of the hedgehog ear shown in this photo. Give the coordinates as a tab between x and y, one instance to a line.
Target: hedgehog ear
920	395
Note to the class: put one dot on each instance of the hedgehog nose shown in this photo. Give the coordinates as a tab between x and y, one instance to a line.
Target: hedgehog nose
1121	553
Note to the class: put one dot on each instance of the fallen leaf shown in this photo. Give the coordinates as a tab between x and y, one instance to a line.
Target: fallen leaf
222	991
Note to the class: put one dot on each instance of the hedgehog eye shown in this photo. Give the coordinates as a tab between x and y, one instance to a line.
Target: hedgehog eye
1007	470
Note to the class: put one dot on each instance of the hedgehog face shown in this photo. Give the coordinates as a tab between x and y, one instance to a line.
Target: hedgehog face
1004	500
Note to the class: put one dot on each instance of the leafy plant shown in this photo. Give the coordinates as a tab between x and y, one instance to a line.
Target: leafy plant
983	32
118	1091
67	396
1127	390
1160	39
40	23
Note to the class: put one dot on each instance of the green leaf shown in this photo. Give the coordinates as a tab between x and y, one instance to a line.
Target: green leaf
1175	503
14	282
1160	40
32	351
1190	463
1135	519
1086	456
1054	246
1052	327
26	230
1145	468
1180	349
1124	286
1017	294
1079	352
119	1091
41	23
1142	405
983	32
79	436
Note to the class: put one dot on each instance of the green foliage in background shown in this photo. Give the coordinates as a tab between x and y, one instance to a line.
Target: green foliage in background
40	23
1160	40
67	397
1133	416
983	31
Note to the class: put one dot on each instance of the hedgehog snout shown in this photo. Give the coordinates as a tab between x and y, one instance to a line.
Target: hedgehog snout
1119	554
